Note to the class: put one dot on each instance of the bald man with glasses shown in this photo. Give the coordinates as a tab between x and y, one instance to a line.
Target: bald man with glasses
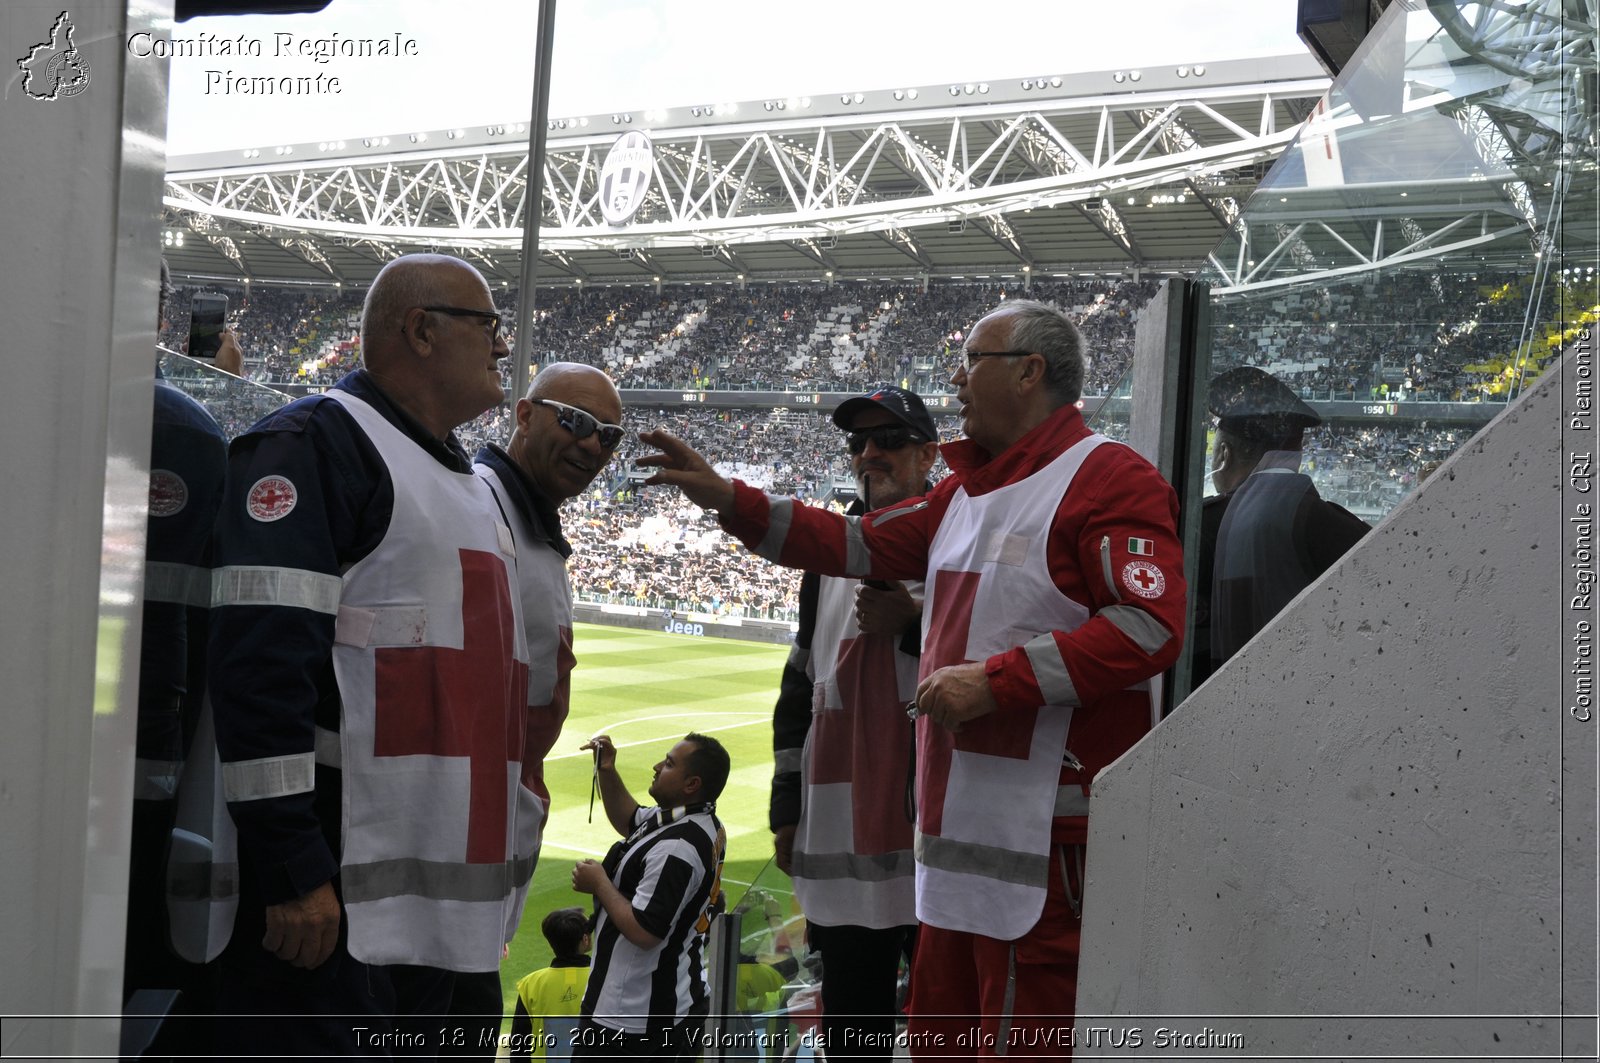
368	672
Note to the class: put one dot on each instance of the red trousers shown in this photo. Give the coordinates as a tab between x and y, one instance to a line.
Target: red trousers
975	996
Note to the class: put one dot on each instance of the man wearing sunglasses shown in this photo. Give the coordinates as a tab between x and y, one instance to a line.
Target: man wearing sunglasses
841	746
369	683
1054	594
564	433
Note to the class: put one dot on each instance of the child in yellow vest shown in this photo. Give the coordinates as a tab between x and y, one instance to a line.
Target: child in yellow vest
548	999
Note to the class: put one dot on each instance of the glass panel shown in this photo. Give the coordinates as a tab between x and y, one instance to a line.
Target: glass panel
777	1002
1426	247
235	403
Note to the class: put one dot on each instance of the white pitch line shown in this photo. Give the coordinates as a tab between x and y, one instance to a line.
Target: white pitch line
758	717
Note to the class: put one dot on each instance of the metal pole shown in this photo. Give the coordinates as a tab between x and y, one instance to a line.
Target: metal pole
533	201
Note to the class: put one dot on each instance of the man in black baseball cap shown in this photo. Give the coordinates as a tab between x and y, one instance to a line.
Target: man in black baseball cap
901	404
1267	534
847	843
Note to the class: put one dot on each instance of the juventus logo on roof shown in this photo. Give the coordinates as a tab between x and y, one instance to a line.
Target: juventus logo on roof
625	177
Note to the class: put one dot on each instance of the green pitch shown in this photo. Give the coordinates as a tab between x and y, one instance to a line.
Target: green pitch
647	689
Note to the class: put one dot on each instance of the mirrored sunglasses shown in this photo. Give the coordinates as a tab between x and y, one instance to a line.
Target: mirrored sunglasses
583	424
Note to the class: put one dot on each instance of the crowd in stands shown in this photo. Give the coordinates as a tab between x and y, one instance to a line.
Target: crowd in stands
702	337
1398	337
648	548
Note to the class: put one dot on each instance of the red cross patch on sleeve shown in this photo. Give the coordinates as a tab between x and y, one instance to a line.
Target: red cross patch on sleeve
1144	579
168	493
271	498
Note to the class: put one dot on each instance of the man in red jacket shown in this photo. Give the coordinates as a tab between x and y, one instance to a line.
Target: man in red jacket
1054	582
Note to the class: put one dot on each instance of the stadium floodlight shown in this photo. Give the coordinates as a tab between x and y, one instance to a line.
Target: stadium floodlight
1134	75
983	88
1183	71
1119	77
970	88
899	94
860	98
1199	71
912	93
1056	81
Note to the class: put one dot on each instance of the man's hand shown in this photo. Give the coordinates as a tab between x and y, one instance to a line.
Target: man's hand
680	465
886	612
587	875
303	931
605	752
783	848
954	694
230	356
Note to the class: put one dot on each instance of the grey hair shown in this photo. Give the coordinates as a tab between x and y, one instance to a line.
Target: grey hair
1041	329
407	281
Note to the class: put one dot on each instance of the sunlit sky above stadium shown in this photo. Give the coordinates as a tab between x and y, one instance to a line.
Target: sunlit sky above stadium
472	61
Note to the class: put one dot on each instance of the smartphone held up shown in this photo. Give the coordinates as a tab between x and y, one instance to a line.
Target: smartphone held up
208	316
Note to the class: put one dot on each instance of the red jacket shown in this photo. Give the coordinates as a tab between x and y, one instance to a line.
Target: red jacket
1115	529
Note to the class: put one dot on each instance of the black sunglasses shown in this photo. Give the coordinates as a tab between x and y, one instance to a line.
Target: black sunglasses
583	424
888	437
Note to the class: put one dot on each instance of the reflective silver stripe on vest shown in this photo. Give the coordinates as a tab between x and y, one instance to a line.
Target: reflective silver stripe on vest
202	882
1071	801
155	780
780	515
1145	630
988	861
787	761
857	560
177	584
258	585
434	879
1050	671
329	748
399	625
252	780
879	867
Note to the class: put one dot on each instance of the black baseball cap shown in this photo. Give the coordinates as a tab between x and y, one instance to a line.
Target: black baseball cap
903	405
1251	403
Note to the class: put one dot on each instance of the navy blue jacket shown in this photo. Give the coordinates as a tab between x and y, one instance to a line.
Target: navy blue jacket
271	666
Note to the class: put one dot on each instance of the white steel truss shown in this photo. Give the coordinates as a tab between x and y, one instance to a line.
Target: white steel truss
797	181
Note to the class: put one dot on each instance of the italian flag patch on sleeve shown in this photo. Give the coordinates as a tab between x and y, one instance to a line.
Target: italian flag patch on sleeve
1142	547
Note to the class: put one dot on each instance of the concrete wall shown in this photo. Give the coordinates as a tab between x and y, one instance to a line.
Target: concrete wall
1363	813
79	250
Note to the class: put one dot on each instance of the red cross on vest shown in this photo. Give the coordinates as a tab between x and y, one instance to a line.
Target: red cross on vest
866	741
954	594
471	702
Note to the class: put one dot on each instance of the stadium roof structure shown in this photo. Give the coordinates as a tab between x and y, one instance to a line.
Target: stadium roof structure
1113	172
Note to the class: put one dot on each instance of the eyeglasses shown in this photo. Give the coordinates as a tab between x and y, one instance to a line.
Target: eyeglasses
972	357
888	437
583	424
491	317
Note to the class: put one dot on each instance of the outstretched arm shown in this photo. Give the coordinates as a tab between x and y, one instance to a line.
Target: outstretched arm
680	465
